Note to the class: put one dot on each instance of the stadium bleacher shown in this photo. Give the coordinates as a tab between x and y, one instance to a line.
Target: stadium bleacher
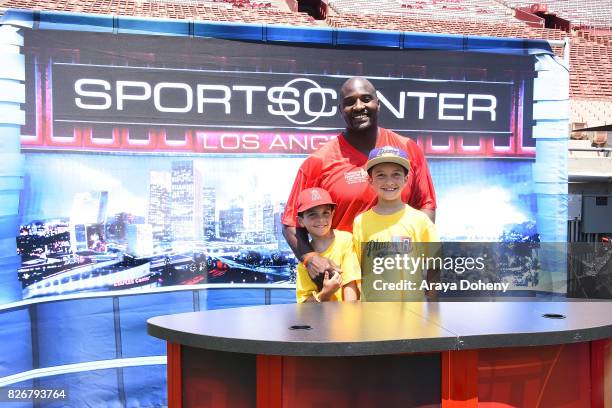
592	73
454	10
588	13
411	23
244	11
590	112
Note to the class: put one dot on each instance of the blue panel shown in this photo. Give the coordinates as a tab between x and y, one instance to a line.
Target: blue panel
9	261
19	18
9	202
538	47
554	189
15	342
282	296
232	31
12	92
372	38
76	331
313	35
139	25
11	36
226	298
134	312
9	226
552	153
11	143
10	182
98	388
10	288
12	68
13	164
55	20
145	386
491	43
552	214
433	41
516	46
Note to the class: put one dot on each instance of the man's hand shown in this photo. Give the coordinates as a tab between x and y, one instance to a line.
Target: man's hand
317	265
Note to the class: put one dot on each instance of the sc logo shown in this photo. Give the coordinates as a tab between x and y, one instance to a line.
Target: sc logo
314	102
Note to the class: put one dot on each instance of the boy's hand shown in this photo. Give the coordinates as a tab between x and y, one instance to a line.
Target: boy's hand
330	285
319	264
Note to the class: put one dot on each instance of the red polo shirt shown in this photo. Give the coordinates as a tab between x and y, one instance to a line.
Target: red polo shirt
339	168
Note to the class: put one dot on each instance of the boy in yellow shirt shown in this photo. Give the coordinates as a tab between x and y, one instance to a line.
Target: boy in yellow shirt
315	210
390	220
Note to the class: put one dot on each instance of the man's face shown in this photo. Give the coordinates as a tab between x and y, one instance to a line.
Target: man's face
359	105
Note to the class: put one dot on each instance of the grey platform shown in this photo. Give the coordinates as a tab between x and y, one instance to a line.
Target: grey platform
354	329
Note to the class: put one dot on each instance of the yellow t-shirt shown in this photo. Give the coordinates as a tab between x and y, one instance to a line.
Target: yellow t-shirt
372	234
341	252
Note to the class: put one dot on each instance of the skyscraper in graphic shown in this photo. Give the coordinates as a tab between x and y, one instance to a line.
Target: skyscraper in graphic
268	218
278	227
159	216
231	221
185	196
116	230
88	208
140	239
209	208
253	219
257	218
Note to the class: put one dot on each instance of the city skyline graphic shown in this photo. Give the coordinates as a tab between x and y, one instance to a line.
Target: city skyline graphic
93	220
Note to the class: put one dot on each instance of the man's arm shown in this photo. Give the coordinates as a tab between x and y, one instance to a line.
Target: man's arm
297	238
291	236
350	291
430	213
422	194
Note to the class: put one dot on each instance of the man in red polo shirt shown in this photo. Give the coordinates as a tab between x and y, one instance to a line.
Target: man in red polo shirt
338	167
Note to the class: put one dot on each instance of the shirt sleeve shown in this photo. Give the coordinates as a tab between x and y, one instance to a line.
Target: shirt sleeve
422	195
357	240
429	232
350	264
429	241
304	179
304	286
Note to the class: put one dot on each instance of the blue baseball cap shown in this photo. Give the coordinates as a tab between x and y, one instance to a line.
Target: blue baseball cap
388	154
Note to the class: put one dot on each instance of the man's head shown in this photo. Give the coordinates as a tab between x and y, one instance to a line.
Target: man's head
315	209
388	169
359	104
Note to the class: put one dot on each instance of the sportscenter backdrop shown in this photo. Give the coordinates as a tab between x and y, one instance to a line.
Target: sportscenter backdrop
136	166
154	161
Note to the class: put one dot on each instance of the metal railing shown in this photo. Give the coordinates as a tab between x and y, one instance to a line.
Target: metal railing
607	151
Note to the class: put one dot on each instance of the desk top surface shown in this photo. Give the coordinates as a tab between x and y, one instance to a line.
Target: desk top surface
350	329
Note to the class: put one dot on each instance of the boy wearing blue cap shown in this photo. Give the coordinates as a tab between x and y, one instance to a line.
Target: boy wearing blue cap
390	220
315	210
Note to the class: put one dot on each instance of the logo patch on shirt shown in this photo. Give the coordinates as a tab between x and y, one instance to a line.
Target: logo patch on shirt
405	242
356	176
